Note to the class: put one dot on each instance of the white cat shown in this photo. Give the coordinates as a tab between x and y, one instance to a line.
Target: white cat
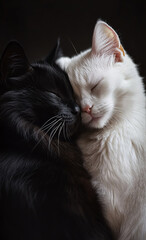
111	94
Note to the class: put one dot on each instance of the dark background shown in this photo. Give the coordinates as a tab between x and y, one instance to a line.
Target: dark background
36	24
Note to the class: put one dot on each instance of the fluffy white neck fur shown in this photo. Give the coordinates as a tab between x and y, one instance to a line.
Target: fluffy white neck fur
111	94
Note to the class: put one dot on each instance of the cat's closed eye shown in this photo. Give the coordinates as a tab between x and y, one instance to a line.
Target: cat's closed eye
55	94
95	86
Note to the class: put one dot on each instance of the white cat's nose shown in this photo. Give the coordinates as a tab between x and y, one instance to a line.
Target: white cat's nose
87	109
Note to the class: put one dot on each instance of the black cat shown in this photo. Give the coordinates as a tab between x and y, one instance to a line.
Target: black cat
45	193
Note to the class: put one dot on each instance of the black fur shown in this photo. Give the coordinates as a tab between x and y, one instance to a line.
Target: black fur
45	193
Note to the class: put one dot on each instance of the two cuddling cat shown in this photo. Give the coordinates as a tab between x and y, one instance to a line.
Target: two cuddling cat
45	191
110	92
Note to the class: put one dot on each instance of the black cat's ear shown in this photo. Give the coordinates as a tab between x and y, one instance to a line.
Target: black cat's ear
55	54
14	62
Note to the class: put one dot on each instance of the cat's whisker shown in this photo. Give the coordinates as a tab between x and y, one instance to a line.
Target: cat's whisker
59	132
50	124
64	131
46	133
54	117
45	124
65	127
53	134
73	46
39	141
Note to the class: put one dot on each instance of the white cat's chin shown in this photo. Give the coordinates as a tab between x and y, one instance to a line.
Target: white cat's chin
96	123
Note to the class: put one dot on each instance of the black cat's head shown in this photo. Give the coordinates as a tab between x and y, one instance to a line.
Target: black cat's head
38	95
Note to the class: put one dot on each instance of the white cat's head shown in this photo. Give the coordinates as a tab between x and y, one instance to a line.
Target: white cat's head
100	76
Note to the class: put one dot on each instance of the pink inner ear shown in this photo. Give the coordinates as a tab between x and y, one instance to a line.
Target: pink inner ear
119	54
118	57
106	41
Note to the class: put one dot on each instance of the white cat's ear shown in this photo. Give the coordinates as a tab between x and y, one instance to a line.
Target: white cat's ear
106	41
63	62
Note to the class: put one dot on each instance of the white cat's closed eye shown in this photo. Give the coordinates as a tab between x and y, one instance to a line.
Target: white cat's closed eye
95	86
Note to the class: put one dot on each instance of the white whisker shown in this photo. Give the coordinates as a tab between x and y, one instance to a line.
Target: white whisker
46	133
73	46
45	124
51	124
64	131
59	132
53	134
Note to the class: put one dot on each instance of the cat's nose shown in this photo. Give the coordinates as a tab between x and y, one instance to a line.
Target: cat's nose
87	109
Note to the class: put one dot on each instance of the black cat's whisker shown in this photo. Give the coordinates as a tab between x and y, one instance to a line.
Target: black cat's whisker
53	134
45	124
46	133
39	141
51	125
64	132
48	125
59	132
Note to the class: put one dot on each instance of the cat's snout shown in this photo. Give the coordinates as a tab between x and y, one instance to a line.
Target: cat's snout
87	109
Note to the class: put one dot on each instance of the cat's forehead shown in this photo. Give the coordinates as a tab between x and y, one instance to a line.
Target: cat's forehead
88	70
47	73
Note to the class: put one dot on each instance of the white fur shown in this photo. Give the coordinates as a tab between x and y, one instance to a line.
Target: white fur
113	144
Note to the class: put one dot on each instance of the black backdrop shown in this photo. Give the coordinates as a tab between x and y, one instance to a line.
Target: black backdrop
38	23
